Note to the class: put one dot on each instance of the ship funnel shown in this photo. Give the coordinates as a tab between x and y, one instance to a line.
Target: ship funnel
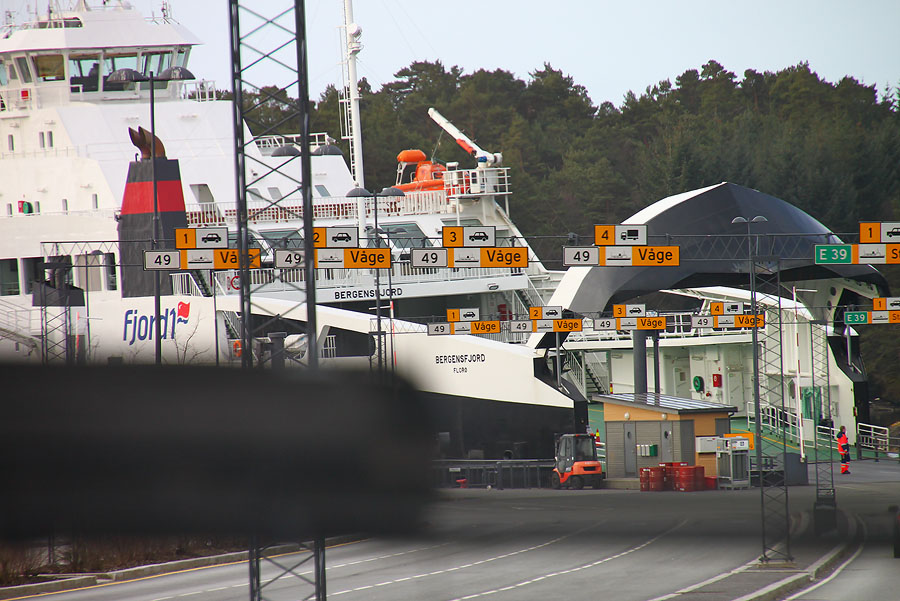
136	221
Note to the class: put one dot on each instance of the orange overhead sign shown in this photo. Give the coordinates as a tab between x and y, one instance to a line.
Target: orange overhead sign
361	258
504	257
651	323
485	327
668	256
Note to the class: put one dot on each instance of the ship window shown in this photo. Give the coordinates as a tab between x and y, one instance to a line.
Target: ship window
4	77
33	269
95	202
157	62
41	139
50	67
322	190
111	282
84	72
9	277
37	206
405	235
12	142
111	62
181	58
24	71
233	241
89	271
9	209
275	193
283	238
49	139
65	205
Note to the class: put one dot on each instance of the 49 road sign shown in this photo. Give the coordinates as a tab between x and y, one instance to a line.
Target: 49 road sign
428	257
289	258
162	259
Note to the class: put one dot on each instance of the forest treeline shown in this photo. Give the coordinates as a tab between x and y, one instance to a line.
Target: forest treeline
832	149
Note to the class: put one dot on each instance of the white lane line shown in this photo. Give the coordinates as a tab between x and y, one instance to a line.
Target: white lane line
837	570
578	569
469	565
708	581
512	554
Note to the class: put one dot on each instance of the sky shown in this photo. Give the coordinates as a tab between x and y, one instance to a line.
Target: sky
607	47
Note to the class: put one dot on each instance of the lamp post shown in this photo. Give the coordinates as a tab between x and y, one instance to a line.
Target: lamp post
797	379
133	77
396	194
361	194
756	405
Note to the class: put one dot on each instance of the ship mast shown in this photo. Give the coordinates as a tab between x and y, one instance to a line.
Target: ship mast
350	104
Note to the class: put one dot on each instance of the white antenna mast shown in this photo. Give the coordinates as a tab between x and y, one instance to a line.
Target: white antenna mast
350	103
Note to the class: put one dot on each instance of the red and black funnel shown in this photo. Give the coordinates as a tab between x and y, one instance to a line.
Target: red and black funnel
136	222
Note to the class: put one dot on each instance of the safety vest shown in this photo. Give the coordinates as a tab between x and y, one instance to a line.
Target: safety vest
843	443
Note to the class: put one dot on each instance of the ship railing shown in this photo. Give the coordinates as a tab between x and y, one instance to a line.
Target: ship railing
287	280
53	152
290	210
18	99
268	143
463	183
203	90
875	438
183	283
19	323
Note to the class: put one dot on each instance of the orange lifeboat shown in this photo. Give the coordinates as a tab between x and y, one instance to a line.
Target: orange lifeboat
411	156
428	176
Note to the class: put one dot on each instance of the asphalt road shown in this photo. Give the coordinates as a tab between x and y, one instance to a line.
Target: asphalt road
545	544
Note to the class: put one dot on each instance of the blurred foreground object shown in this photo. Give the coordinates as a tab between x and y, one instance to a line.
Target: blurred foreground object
150	450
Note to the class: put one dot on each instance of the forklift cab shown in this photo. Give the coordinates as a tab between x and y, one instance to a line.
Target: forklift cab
576	462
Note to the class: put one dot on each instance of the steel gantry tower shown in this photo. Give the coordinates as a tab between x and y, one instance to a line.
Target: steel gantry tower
268	41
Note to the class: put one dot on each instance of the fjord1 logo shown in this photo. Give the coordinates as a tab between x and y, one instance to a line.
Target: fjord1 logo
143	327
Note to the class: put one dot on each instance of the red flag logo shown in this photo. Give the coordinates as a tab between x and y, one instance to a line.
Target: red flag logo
184	312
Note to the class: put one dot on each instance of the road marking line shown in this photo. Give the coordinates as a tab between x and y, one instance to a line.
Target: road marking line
579	568
837	570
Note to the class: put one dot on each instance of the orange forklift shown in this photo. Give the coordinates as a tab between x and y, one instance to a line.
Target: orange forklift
576	462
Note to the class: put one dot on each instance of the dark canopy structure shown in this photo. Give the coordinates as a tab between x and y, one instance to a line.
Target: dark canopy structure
715	251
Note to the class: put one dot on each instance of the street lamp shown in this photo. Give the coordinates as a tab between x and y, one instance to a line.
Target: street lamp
396	194
361	194
131	77
797	380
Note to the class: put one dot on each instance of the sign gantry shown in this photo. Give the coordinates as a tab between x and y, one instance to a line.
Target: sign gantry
621	246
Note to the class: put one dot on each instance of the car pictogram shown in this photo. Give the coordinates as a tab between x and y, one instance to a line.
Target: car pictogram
479	236
469	314
211	237
551	312
635	310
894	231
342	237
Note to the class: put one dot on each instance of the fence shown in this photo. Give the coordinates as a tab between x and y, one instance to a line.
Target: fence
505	473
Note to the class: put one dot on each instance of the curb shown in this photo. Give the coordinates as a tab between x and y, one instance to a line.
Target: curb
55	586
156	569
814	572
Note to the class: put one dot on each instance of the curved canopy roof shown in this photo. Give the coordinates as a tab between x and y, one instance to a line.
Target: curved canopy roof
713	250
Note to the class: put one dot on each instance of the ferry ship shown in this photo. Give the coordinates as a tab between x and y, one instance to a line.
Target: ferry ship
73	84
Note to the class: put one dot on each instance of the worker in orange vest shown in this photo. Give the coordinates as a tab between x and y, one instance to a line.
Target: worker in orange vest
844	450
